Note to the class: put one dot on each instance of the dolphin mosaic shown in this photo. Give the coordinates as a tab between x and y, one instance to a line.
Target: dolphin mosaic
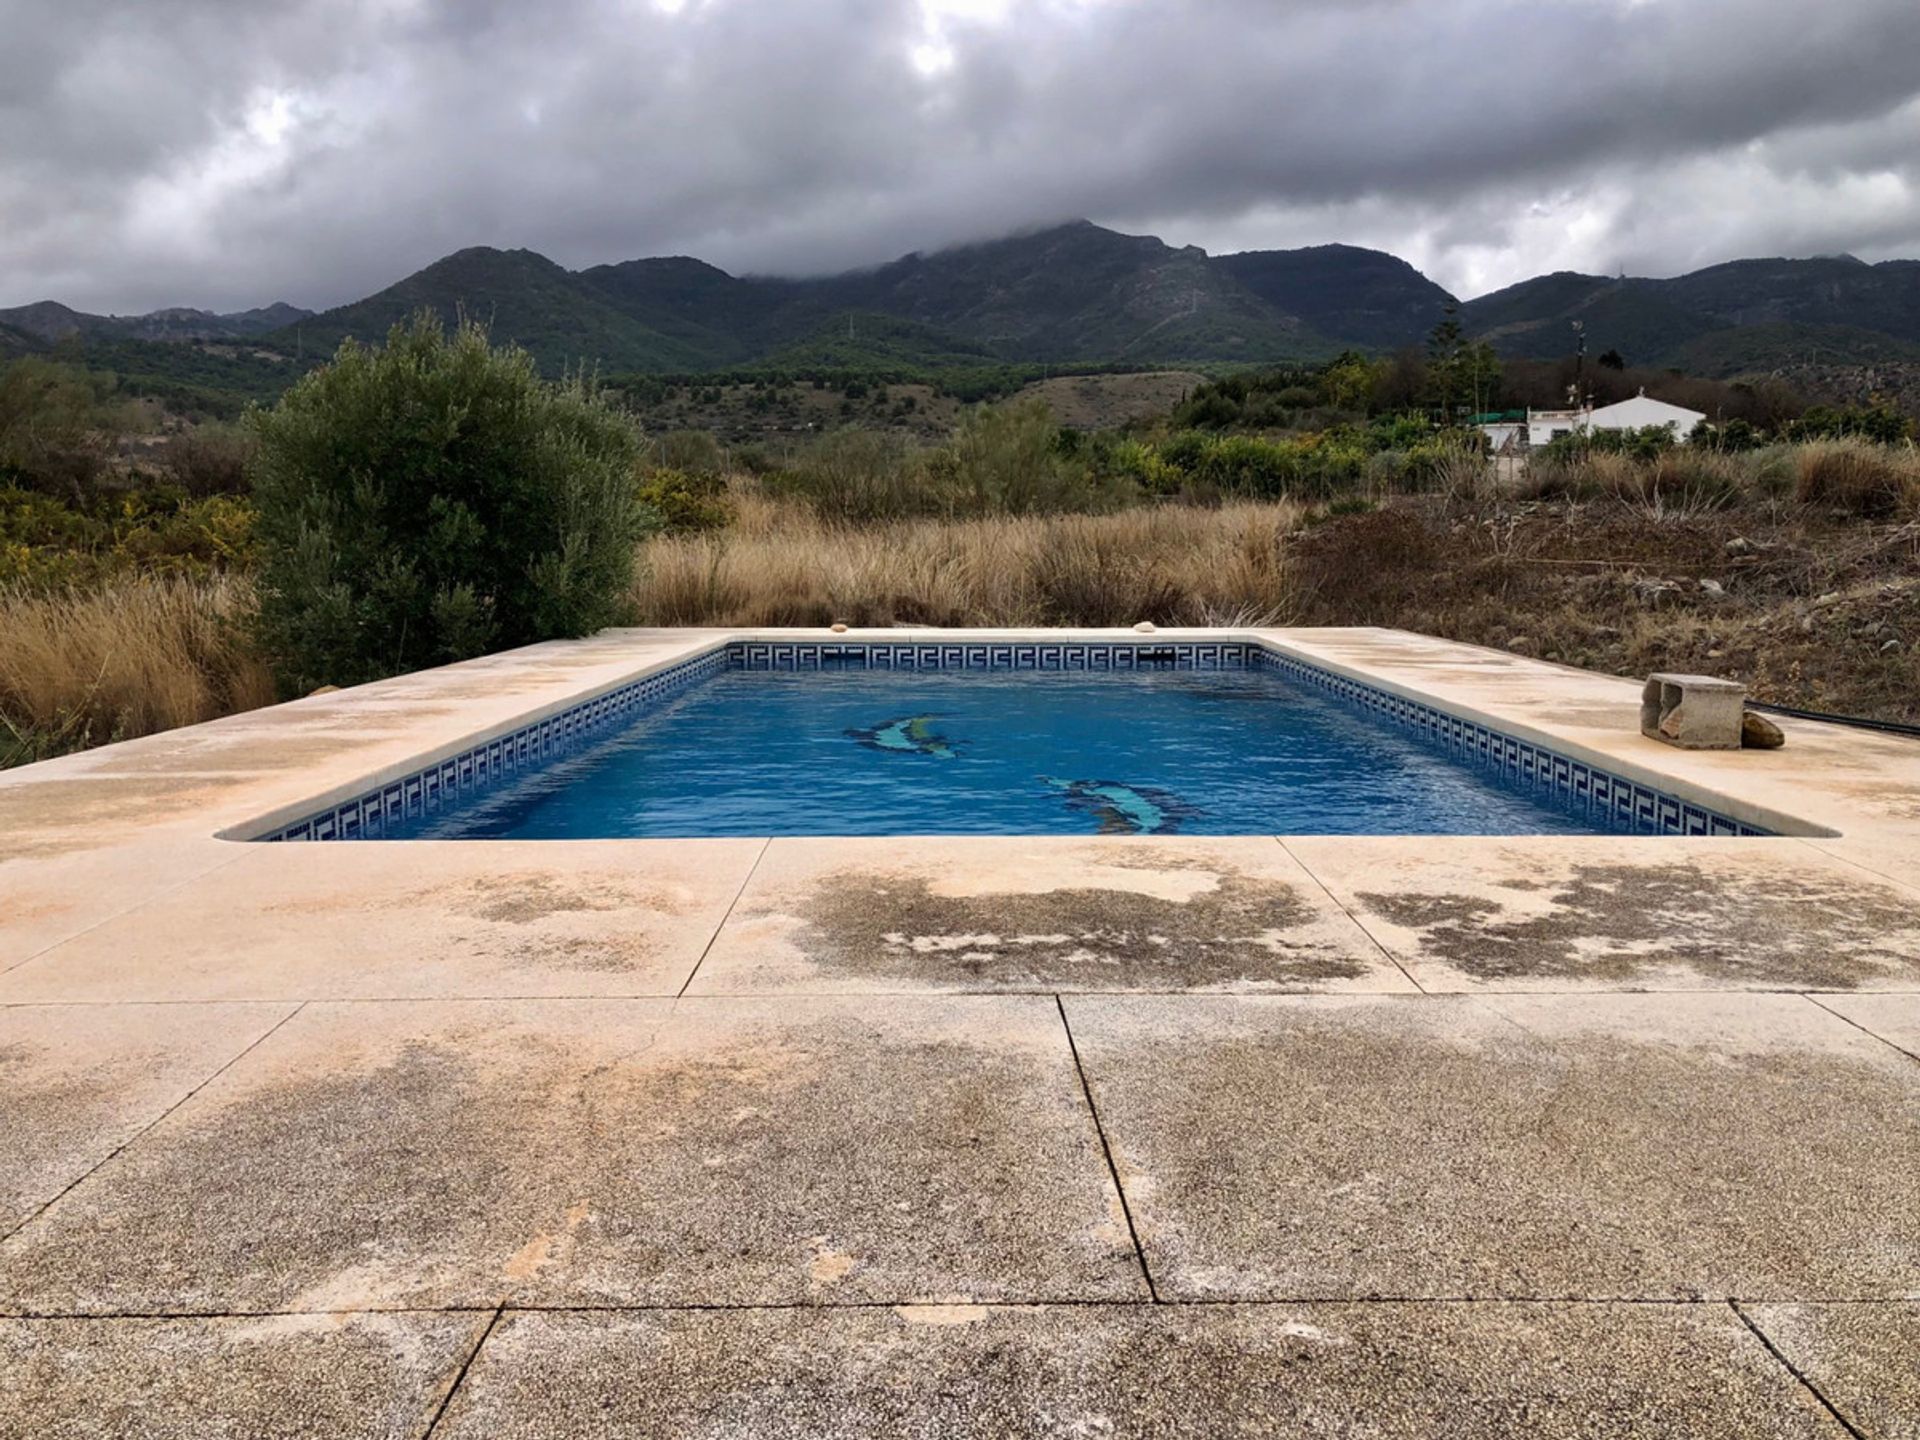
909	735
1124	809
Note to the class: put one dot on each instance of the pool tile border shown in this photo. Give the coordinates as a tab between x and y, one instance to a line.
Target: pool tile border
1650	811
1624	801
366	814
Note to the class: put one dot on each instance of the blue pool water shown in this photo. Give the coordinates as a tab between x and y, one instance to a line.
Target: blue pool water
996	752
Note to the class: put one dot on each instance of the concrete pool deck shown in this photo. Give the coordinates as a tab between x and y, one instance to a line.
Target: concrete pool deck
1059	1136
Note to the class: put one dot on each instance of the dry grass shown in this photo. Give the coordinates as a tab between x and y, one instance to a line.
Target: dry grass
1695	562
780	565
134	656
1874	481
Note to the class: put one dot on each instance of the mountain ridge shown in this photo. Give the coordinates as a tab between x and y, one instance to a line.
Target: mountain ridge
1075	293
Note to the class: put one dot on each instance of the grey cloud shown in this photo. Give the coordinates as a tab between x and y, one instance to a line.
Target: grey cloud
225	153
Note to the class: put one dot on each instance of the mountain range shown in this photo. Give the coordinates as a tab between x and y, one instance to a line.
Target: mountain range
1072	294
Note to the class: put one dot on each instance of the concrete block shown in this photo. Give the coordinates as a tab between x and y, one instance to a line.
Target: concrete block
1694	712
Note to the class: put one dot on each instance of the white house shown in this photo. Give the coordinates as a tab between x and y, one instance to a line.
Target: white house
1640	412
1543	427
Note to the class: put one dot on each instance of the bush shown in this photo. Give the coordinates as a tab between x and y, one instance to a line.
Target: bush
435	499
1689	480
694	451
860	475
680	503
45	544
1879	423
1642	444
1736	437
209	459
48	437
1127	461
1007	460
1869	481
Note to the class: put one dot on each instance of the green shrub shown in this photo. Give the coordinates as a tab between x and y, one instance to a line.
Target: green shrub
50	437
434	499
1736	437
1310	466
1879	423
860	475
1007	460
209	459
683	503
695	451
1129	461
46	543
1642	444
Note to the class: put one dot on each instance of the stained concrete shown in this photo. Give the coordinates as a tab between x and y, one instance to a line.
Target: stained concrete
733	1152
911	1141
1654	1147
1600	913
1864	1359
307	1377
50	892
345	921
1299	1370
1049	913
78	1082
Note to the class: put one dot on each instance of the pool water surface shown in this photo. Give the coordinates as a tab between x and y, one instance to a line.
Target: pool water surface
856	751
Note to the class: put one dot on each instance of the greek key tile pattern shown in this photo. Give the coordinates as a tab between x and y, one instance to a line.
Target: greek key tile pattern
1620	801
1596	792
951	655
366	817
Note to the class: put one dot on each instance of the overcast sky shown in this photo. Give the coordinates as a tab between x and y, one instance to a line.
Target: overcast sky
227	153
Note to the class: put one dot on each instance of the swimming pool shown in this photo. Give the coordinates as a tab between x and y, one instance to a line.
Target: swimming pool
880	740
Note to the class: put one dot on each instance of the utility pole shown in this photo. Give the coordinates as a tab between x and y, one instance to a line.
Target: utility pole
1577	392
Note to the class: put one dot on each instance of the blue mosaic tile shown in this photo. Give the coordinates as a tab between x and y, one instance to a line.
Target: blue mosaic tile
1587	788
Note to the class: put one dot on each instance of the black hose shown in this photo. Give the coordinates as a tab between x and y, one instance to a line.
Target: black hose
1892	727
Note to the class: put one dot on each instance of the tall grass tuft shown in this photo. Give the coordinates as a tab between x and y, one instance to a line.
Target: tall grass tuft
1871	481
781	564
133	656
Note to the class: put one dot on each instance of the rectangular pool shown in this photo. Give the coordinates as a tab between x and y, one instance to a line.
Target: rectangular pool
1244	744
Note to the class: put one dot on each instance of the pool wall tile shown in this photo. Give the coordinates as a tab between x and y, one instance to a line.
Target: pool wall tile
1624	802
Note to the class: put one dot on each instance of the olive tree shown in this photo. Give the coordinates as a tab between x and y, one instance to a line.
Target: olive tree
432	499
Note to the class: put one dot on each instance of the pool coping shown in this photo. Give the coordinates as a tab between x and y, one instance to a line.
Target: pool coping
1641	796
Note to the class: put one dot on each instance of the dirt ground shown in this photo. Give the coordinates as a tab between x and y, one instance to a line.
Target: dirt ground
1816	612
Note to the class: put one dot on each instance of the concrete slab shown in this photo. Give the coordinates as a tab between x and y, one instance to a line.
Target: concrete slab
1607	1146
385	919
1897	860
1865	1359
1829	779
49	893
77	1082
306	1377
1049	913
623	1152
1459	1371
1609	913
1894	1018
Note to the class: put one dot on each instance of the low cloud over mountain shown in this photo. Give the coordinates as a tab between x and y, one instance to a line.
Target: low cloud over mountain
222	154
